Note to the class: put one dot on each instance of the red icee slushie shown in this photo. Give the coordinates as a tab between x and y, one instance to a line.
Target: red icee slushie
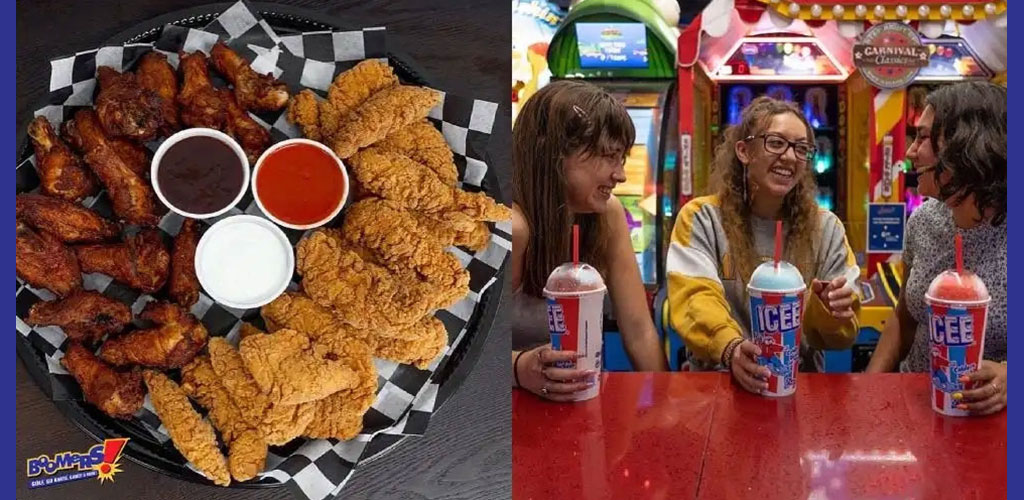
575	296
957	310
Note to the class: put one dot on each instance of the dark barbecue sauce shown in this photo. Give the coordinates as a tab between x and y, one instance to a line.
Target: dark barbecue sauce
200	175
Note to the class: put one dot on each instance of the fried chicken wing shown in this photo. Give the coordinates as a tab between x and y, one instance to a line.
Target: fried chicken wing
130	195
424	144
183	286
71	222
254	91
359	292
156	74
385	112
141	261
126	108
396	239
116	393
175	340
191	435
44	262
201	105
61	173
253	138
85	316
292	370
397	177
84	132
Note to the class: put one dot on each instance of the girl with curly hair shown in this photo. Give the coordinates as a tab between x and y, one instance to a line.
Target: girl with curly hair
762	173
960	156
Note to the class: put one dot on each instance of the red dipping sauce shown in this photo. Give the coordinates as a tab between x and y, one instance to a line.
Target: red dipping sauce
300	183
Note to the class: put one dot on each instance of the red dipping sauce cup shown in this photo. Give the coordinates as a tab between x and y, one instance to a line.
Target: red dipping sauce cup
300	184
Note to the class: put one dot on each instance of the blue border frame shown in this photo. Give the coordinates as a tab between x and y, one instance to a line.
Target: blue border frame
9	151
1014	267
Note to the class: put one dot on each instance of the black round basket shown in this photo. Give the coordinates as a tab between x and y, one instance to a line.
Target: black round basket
142	447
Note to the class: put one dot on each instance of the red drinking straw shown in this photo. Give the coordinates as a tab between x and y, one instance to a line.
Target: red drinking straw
575	245
778	242
959	242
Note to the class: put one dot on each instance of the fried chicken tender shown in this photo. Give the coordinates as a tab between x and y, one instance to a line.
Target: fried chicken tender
424	144
304	111
61	172
44	262
85	316
247	450
353	87
85	133
385	112
253	138
407	344
183	286
292	370
397	177
116	393
157	75
126	108
191	435
248	329
283	423
396	239
319	120
254	91
175	341
140	262
340	415
202	105
359	292
71	222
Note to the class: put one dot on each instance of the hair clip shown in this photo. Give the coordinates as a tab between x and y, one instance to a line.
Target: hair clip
579	111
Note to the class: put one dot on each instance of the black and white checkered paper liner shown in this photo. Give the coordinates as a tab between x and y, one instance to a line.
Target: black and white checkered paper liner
406	396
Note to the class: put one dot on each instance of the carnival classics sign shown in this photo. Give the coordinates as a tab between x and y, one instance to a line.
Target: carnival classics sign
890	55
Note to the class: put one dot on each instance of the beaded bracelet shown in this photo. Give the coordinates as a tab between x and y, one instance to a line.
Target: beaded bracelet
727	353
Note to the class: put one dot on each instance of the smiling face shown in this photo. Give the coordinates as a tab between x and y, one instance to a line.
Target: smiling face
590	178
924	155
769	173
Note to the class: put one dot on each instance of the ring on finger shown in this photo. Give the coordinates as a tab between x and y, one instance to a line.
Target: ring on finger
544	390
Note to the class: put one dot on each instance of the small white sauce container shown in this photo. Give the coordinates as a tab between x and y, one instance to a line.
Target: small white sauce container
244	261
289	142
199	132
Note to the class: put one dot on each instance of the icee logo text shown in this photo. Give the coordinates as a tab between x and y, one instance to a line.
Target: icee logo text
779	318
952	330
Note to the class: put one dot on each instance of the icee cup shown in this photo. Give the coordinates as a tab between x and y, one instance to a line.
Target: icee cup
776	322
575	299
957	311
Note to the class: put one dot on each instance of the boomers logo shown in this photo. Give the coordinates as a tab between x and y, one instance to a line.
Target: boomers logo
101	462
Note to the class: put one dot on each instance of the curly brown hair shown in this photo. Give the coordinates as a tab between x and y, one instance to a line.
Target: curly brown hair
970	119
799	208
563	118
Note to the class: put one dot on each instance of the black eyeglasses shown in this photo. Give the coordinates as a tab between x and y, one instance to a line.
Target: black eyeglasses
778	145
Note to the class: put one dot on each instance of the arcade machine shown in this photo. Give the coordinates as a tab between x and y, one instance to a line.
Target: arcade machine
627	48
738	49
533	25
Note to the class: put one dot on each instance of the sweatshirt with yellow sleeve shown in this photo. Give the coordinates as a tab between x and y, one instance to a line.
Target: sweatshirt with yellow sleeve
709	305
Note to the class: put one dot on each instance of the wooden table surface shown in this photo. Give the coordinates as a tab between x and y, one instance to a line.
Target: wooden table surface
464	48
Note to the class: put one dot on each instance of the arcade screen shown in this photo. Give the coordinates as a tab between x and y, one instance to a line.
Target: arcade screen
819	104
612	45
639	213
779	58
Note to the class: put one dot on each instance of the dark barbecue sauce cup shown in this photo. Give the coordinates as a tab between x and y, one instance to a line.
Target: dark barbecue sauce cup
200	173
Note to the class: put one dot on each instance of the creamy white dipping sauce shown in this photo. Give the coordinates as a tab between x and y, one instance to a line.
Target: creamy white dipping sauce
244	261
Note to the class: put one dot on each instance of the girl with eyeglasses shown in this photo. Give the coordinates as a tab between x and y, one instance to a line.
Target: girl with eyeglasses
960	156
762	174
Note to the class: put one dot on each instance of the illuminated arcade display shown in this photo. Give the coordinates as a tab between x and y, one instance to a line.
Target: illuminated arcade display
952	60
792	58
612	45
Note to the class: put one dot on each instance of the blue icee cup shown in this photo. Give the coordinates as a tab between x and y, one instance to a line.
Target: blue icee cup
776	322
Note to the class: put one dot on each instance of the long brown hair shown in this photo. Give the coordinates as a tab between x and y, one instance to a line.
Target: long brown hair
562	119
799	208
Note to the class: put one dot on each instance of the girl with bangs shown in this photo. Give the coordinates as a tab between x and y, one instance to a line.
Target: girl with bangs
570	143
762	174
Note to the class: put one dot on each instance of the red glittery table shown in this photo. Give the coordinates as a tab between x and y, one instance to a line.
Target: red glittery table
697	435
